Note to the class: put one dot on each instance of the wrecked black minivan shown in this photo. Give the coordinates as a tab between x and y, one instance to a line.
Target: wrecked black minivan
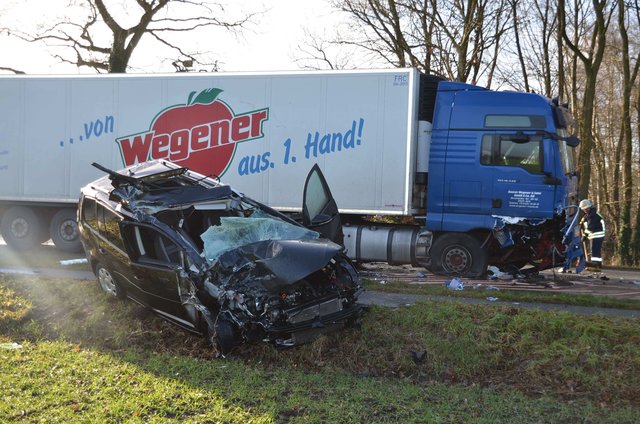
215	262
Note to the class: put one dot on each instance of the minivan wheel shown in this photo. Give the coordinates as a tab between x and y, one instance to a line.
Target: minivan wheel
224	335
107	283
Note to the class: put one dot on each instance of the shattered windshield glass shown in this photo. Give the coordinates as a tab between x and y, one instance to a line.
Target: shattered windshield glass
234	232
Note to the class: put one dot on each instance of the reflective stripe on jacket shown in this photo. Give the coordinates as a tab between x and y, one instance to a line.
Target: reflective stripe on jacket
593	225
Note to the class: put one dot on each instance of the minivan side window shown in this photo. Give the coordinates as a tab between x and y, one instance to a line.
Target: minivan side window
150	246
89	212
101	219
110	229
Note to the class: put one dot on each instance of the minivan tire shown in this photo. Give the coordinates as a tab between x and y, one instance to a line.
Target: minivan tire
107	283
224	337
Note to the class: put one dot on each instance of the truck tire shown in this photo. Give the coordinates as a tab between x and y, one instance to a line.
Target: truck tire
64	230
21	228
458	254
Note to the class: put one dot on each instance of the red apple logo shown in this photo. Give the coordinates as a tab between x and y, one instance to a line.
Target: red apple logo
201	134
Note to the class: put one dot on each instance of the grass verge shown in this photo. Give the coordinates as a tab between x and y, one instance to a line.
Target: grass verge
85	357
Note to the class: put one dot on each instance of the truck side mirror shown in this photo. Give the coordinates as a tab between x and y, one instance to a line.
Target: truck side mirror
519	137
572	141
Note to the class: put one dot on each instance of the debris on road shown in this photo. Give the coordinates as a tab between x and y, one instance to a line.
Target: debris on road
73	261
455	284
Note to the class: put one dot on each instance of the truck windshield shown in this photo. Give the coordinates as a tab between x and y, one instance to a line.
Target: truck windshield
567	153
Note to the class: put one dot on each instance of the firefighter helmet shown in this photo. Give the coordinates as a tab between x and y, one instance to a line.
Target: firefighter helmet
586	204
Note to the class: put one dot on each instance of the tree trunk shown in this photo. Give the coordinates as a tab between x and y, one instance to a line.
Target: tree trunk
627	136
516	32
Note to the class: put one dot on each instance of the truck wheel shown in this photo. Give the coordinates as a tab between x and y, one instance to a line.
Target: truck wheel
21	228
64	230
107	283
458	254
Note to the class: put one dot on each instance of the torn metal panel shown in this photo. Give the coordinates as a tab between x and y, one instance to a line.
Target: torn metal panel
515	220
152	202
505	227
276	263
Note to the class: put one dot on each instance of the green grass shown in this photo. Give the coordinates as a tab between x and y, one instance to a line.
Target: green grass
507	295
60	382
86	357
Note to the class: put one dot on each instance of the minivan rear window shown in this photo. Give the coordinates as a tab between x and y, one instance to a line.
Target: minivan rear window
89	212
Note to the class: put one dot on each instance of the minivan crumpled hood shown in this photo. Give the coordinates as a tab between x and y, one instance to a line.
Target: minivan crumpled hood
274	263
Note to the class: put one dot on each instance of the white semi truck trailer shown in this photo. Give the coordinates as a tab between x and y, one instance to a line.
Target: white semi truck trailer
390	143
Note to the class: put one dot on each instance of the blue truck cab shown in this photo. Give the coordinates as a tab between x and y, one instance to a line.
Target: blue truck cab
501	178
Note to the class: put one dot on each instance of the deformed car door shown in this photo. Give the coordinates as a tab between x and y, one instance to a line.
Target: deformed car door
156	261
319	209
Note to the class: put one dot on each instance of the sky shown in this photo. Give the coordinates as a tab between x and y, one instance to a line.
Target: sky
269	45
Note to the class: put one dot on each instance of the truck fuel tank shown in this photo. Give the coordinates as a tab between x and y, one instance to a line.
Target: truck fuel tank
392	244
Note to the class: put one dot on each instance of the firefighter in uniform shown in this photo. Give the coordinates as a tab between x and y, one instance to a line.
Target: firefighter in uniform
592	228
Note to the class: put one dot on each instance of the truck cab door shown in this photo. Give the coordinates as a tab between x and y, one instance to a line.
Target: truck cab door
319	209
522	188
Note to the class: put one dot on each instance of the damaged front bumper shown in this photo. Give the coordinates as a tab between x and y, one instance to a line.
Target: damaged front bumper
305	323
520	241
282	291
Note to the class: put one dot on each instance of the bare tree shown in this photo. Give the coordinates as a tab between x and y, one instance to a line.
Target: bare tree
378	30
635	240
629	77
458	39
82	42
465	32
318	53
9	69
540	26
516	33
590	52
560	62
